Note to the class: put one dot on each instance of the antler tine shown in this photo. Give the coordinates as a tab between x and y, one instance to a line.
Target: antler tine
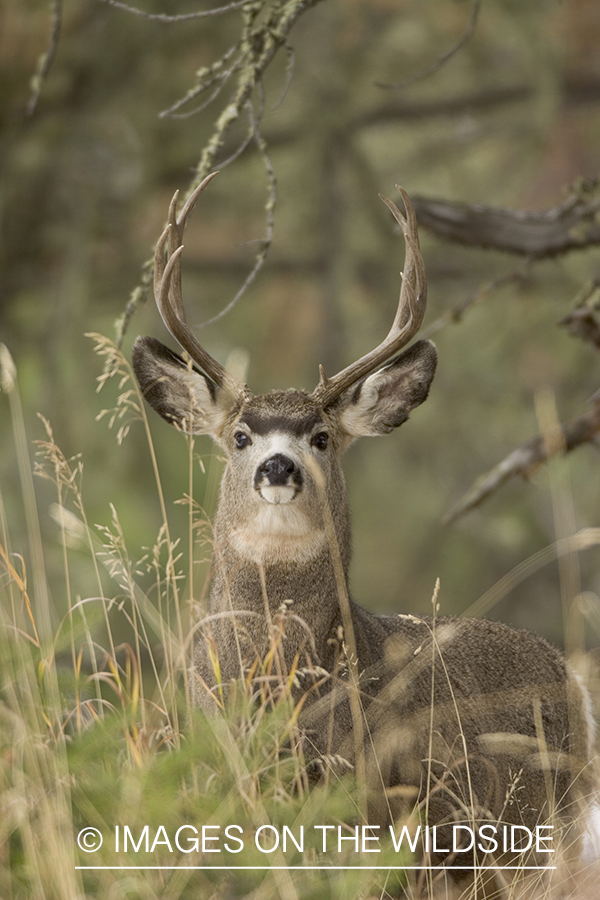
168	296
409	315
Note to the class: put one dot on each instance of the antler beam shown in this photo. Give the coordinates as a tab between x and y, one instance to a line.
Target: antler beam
409	315
168	296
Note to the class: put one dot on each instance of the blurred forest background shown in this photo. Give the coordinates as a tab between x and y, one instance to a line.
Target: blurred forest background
511	119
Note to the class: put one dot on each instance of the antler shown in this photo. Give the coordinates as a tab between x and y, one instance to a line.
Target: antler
409	315
167	293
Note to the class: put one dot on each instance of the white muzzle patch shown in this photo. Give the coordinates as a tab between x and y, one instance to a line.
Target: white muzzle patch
278	493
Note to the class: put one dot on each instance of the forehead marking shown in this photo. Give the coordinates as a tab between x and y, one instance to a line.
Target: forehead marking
266	424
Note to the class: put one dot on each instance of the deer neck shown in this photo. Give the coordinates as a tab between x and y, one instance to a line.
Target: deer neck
242	584
255	592
277	554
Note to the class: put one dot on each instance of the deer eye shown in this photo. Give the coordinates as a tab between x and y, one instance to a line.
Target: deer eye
320	440
241	440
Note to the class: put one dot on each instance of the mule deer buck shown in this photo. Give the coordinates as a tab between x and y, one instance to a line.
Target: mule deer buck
469	719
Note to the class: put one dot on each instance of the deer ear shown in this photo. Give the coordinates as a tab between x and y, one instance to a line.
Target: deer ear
383	400
179	392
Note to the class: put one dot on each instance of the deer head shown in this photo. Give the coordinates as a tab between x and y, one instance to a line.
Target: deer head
269	502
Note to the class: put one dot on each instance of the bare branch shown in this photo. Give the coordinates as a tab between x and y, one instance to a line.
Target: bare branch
183	17
257	48
291	60
265	243
530	456
457	312
575	93
582	322
446	57
265	30
45	61
206	78
255	118
572	225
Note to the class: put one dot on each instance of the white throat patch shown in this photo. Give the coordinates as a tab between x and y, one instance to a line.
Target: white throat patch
279	532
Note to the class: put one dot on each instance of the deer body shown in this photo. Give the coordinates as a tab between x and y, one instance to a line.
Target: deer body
476	719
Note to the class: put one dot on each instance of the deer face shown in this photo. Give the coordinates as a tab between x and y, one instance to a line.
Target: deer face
278	445
270	440
271	504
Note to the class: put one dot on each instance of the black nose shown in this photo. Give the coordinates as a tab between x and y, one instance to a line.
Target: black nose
279	469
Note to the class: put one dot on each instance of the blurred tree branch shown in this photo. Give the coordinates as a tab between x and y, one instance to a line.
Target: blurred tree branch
265	27
572	225
575	93
584	429
582	321
457	312
182	17
529	457
446	57
46	59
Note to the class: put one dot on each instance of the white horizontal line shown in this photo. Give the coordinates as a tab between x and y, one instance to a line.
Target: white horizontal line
337	868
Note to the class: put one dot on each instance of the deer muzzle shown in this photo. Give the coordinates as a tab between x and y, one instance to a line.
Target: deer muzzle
278	479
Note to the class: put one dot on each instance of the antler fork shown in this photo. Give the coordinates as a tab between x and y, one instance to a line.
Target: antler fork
409	315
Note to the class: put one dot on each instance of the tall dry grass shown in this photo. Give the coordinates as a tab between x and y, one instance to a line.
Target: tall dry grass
99	732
